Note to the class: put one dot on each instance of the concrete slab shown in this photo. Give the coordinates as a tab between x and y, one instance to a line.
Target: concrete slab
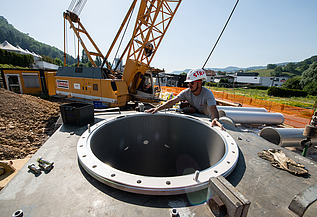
67	190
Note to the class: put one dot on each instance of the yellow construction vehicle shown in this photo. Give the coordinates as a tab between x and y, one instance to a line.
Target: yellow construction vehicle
107	84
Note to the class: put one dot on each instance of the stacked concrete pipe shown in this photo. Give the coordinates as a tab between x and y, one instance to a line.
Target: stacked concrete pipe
285	137
245	115
246	109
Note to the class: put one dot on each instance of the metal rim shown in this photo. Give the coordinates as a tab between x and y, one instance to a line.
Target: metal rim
155	185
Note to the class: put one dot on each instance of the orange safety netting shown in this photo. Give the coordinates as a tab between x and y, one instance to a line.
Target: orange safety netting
174	90
294	116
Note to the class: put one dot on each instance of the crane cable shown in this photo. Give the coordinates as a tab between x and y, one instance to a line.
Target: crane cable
66	40
75	46
221	34
122	40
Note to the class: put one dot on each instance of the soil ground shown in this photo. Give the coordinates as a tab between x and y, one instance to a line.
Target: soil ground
26	122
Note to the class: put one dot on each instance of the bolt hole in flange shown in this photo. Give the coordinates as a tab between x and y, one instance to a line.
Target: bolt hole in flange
145	167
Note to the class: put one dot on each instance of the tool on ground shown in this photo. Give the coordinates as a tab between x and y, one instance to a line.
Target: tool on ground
42	161
45	165
140	107
33	169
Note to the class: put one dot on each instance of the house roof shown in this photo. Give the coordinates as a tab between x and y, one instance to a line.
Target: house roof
9	47
210	72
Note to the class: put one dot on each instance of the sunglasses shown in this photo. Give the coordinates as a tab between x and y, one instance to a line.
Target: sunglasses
193	82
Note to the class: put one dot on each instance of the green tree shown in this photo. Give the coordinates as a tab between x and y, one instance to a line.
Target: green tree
7	57
302	67
271	66
15	37
310	60
183	73
84	57
277	71
98	61
311	88
290	67
58	61
292	83
309	75
48	59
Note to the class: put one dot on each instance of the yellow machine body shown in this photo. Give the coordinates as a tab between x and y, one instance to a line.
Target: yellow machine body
88	84
114	88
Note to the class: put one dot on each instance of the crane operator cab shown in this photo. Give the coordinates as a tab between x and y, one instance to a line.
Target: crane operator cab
149	87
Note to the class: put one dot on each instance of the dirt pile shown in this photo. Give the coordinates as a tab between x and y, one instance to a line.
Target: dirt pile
25	123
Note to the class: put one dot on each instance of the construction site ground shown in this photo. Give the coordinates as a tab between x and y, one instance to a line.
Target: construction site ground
25	124
27	121
269	189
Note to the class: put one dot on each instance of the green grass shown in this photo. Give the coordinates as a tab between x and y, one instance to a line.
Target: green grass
303	102
9	66
267	73
262	72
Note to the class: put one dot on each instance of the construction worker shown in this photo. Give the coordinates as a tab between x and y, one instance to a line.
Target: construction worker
199	98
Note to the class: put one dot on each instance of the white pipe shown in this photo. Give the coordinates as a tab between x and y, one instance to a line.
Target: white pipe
233	108
284	136
227	120
244	117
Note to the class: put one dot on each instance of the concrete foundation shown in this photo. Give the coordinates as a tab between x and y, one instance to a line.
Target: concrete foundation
68	190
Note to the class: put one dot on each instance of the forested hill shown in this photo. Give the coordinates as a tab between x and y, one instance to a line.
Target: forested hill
15	37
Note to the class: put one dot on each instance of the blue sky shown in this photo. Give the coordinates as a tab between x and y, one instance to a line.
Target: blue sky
260	31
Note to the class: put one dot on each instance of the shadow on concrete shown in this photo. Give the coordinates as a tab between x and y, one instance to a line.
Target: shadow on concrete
236	175
73	129
79	130
157	201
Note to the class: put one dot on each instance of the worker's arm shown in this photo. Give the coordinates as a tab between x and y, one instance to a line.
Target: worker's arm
213	111
165	105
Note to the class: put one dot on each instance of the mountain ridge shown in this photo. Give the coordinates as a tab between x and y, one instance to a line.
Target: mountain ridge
230	68
15	37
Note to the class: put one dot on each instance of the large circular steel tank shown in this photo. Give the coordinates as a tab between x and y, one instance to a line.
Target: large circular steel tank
157	154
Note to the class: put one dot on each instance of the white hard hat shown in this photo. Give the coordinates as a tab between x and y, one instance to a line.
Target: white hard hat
196	74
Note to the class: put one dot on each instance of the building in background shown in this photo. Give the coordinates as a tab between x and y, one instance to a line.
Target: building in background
38	62
210	75
255	79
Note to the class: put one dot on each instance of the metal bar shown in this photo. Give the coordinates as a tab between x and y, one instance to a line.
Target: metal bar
96	54
236	204
78	53
81	41
92	41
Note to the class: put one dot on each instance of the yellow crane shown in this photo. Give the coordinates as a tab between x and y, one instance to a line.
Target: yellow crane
108	84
